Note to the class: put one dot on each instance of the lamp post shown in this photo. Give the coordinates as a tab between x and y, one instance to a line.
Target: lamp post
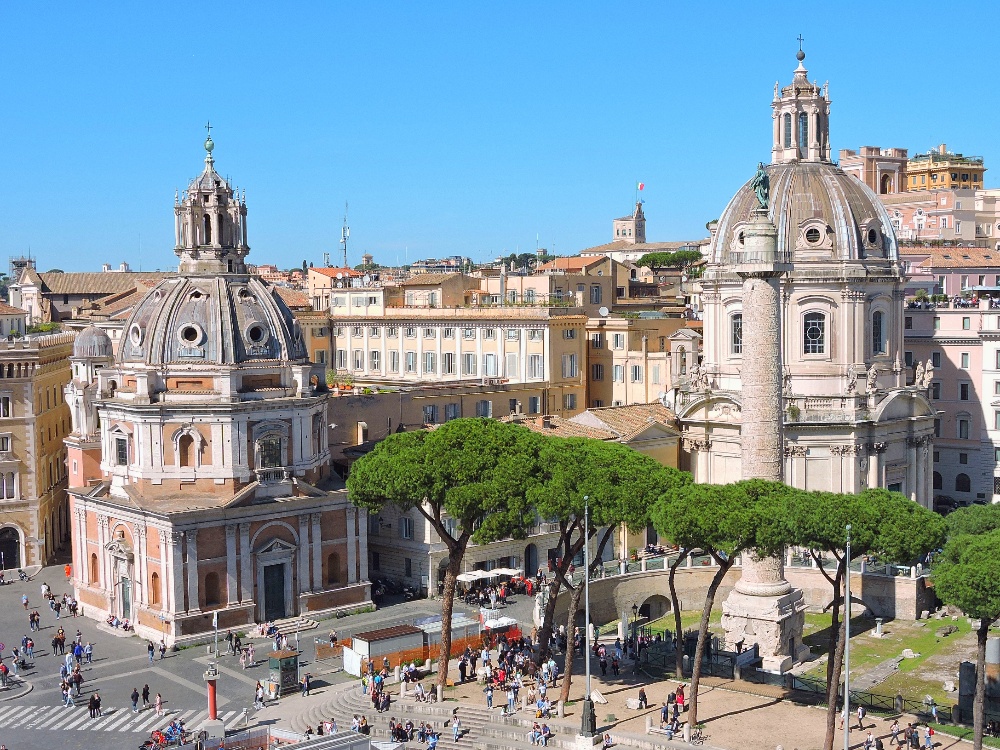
847	644
588	718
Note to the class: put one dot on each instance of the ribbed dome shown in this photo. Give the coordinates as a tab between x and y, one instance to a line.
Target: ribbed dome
224	320
93	342
821	214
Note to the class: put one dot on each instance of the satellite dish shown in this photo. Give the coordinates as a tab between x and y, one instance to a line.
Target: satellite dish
603	312
367	279
340	275
340	285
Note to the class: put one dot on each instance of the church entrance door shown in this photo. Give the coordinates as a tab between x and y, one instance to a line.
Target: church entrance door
274	591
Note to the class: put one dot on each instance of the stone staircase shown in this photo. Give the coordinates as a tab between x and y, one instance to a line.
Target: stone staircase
288	627
482	728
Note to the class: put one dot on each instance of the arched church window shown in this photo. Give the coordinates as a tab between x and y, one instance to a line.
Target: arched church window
93	568
814	333
154	589
208	229
270	452
878	333
803	134
185	451
938	483
788	129
212	590
963	483
736	333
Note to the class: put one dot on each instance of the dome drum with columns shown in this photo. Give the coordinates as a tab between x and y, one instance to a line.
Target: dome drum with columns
201	450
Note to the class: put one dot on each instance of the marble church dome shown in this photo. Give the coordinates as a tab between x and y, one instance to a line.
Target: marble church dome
94	343
221	320
820	212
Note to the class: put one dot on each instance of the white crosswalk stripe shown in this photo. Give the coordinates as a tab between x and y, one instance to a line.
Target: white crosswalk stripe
60	718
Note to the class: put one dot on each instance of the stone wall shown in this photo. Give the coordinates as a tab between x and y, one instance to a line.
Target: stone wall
901	597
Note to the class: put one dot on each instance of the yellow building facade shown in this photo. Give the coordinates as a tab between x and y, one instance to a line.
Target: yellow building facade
34	419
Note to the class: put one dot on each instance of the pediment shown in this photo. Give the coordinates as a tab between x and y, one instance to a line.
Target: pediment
118	548
276	547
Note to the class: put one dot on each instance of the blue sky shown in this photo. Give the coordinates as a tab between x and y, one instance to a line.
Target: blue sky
463	128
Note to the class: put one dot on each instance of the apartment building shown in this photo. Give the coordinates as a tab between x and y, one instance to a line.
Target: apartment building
960	337
628	358
435	338
34	419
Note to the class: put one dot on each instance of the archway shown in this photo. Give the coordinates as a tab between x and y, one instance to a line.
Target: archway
654	607
10	548
886	186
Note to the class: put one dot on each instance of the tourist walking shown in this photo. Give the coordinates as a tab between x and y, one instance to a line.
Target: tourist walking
159	704
145	696
135	700
151	650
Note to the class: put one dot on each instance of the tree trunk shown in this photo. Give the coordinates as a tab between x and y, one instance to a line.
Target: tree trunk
574	608
838	598
706	615
548	618
559	572
676	604
979	702
447	607
835	664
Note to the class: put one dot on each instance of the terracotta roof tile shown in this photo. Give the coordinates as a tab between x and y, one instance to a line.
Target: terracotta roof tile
6	309
97	283
425	279
559	427
954	257
332	272
627	421
294	298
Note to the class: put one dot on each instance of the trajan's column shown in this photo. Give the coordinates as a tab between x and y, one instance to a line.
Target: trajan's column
763	608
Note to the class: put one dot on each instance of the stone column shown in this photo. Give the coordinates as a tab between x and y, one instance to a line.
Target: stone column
303	554
141	597
363	545
352	550
246	564
102	558
317	551
763	608
232	595
194	604
175	569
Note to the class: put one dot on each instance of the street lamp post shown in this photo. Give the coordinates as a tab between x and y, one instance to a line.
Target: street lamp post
589	720
847	644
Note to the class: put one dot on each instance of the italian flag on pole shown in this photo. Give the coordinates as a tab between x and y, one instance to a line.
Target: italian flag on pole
640	185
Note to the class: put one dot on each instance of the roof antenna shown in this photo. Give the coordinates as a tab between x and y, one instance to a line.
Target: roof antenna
345	233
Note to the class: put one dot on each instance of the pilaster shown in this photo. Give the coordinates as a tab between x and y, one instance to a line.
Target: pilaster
246	564
352	551
194	602
232	594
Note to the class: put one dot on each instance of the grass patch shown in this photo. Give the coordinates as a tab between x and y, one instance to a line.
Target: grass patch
964	733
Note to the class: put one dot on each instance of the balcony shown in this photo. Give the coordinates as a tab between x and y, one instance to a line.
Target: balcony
273	476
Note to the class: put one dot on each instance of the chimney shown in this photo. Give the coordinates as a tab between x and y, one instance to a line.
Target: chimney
942	149
545	421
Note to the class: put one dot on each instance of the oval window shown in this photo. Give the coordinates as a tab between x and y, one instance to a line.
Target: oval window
872	236
190	334
812	236
135	335
256	333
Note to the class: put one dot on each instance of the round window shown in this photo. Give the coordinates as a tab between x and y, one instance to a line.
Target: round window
190	334
257	333
135	335
872	236
812	236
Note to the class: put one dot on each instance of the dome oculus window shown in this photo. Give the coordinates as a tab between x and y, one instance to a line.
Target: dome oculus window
196	295
135	335
190	334
873	236
813	236
257	334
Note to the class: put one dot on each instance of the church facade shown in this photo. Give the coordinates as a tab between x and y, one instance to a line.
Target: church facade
849	419
199	457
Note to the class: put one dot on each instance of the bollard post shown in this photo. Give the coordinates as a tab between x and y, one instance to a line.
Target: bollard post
440	695
649	724
561	709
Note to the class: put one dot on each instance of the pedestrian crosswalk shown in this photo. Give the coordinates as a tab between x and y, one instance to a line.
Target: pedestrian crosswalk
60	717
